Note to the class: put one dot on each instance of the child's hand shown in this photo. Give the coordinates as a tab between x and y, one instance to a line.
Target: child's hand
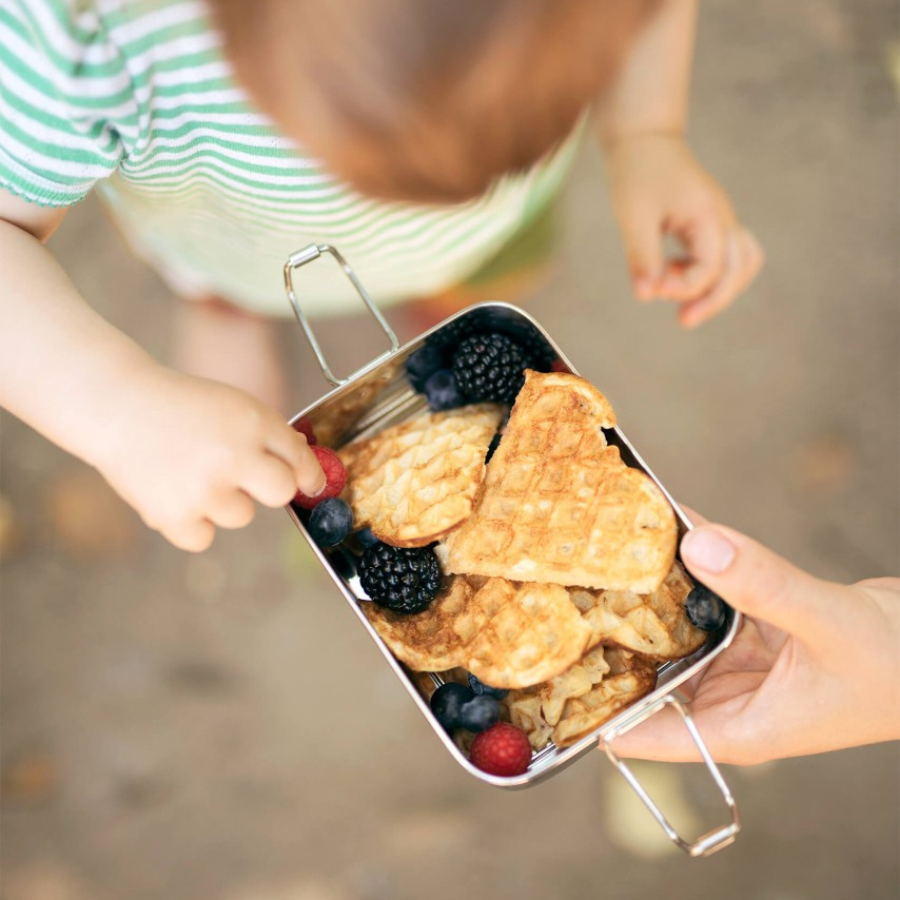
190	454
658	188
816	668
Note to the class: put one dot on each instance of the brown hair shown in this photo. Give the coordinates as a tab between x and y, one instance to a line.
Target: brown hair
426	99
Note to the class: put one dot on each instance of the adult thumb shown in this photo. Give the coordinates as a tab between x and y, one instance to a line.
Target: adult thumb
761	584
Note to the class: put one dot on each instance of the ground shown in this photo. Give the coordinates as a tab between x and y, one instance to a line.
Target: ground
219	727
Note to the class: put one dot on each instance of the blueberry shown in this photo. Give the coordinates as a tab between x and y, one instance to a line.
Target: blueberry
366	538
479	713
330	522
495	443
442	391
480	688
422	364
705	609
447	703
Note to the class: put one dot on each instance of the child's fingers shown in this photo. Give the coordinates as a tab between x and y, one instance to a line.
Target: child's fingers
233	510
291	446
761	584
643	244
744	259
195	536
270	480
707	247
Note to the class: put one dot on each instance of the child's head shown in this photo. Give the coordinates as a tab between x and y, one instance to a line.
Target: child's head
427	100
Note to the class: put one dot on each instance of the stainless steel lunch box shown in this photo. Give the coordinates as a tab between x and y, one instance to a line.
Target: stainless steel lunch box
378	395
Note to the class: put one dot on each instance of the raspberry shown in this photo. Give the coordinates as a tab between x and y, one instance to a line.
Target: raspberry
335	478
501	750
304	426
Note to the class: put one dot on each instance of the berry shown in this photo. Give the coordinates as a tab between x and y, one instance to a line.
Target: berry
495	443
501	750
330	522
447	701
705	609
540	355
304	426
422	364
403	580
448	338
479	713
480	688
489	368
335	478
366	538
442	391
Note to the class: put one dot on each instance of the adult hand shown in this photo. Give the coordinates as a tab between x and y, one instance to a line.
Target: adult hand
815	667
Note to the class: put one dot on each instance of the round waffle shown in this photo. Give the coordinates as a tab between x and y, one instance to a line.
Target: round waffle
414	482
508	635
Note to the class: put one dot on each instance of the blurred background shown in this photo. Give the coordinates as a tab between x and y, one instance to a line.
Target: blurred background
218	727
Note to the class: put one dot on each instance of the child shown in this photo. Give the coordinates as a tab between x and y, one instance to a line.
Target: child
418	137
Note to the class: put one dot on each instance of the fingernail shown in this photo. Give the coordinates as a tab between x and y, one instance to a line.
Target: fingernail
706	548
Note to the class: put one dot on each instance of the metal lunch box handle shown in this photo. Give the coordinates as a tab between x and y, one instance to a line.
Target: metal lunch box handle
307	255
708	843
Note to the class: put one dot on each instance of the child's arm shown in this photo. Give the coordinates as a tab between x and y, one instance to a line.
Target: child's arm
658	187
186	453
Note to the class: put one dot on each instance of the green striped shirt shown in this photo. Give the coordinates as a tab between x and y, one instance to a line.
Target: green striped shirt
136	98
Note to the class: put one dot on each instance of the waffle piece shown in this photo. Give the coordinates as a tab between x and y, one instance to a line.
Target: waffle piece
414	482
654	624
537	710
575	703
428	641
558	505
526	633
630	677
508	635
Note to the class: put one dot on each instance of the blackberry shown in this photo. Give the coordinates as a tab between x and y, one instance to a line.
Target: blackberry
403	580
539	354
449	337
489	368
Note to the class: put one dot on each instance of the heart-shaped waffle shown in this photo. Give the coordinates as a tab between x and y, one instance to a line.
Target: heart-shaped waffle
558	505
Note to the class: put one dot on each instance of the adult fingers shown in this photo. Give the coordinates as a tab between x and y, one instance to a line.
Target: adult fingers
761	584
